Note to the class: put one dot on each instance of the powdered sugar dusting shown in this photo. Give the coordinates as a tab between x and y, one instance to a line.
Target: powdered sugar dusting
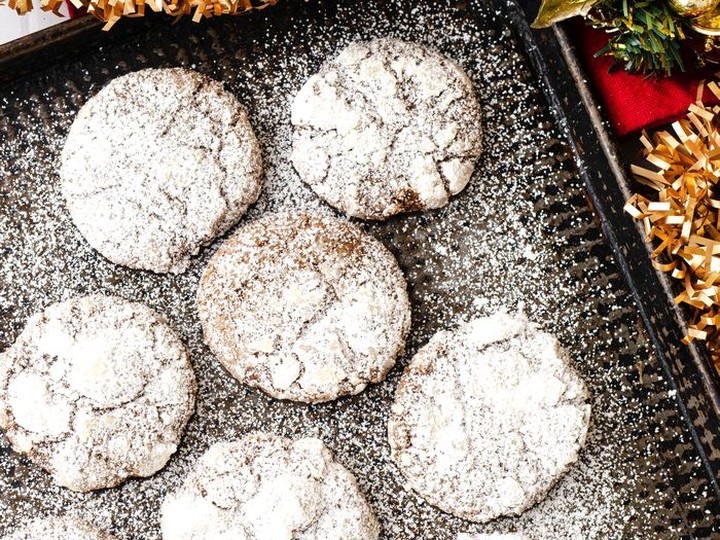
95	390
121	179
265	486
386	127
487	417
491	536
308	308
466	260
63	528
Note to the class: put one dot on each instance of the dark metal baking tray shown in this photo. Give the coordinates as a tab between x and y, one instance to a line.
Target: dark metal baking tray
609	185
549	171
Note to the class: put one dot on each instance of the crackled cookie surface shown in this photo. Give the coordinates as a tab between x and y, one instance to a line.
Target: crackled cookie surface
268	487
306	308
488	417
96	390
386	127
59	528
491	536
156	165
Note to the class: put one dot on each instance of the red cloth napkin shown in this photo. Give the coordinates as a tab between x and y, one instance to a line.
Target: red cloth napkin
633	102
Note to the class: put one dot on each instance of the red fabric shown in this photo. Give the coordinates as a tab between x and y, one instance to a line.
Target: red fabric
73	11
633	102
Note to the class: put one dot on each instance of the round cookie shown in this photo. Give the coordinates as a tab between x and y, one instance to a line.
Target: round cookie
59	528
158	164
488	417
96	390
304	307
491	536
386	127
266	486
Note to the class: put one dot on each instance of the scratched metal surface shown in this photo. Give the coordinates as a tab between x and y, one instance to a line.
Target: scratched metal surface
521	233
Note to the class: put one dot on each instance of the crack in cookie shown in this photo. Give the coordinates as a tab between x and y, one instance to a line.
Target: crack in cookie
96	390
386	127
151	179
304	307
265	486
488	417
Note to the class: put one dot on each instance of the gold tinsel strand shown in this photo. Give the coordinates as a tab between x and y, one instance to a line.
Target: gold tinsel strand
683	220
111	11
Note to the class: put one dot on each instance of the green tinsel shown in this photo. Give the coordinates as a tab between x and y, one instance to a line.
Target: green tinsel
645	36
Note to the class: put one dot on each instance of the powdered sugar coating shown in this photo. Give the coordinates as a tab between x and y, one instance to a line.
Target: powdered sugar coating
268	487
488	417
481	244
387	126
96	390
59	528
305	307
158	164
491	536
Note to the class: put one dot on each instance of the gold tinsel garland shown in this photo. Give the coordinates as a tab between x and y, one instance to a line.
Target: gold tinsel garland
111	11
683	220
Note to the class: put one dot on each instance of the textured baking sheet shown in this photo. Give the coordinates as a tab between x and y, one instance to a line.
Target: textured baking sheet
522	235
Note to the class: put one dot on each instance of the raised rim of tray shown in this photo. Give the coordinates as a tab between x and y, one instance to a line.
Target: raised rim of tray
70	38
691	377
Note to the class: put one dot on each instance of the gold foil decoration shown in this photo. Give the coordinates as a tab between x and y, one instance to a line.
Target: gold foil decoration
682	218
112	11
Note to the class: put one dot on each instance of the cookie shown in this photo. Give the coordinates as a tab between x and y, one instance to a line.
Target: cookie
59	528
158	164
268	487
491	536
96	390
488	417
304	307
385	127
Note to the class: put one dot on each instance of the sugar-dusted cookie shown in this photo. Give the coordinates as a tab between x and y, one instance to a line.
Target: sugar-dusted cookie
156	165
386	126
268	487
488	417
59	528
304	307
96	390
